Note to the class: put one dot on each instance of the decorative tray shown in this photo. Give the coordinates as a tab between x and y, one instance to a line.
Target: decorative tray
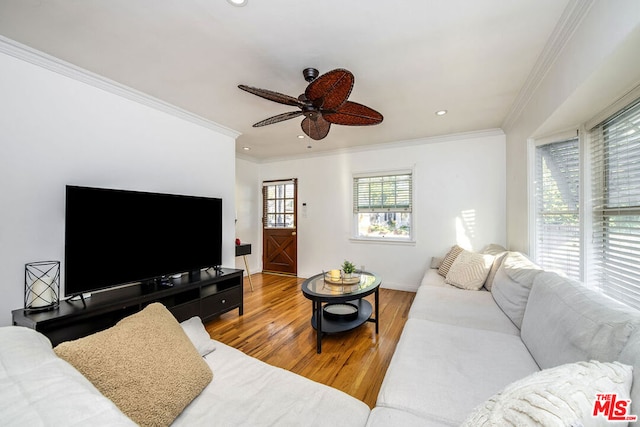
333	279
340	311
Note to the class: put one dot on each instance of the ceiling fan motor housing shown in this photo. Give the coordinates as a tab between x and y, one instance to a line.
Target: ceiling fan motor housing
310	74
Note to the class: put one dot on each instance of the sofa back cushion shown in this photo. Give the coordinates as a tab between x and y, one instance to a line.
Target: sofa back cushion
567	322
512	284
630	355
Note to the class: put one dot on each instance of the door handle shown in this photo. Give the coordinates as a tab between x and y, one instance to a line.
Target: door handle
293	233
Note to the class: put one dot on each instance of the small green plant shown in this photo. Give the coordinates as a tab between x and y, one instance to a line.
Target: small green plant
348	267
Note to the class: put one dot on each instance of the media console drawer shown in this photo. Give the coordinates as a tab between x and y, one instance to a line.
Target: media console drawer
221	302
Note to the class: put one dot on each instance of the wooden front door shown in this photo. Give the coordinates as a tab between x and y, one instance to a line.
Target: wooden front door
279	226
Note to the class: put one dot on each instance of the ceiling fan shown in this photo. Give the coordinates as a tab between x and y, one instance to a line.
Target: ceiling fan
323	103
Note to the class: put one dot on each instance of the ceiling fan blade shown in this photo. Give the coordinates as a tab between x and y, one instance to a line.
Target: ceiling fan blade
353	114
279	118
330	90
316	128
273	96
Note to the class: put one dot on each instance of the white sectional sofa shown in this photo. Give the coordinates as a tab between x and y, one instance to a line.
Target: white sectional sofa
461	347
465	356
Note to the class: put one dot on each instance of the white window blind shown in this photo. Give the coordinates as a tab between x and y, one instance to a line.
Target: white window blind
389	193
615	153
557	201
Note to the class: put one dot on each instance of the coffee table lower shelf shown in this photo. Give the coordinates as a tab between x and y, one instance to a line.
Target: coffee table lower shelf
332	326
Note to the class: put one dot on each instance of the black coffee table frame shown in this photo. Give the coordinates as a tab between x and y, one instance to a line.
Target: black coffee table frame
320	300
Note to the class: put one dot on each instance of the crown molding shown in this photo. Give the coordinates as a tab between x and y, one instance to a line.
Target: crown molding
382	146
564	29
51	63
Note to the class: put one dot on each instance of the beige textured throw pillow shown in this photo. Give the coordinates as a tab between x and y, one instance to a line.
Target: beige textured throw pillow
145	364
469	270
448	260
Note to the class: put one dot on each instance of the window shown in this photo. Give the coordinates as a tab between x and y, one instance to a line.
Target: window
382	206
279	204
615	157
594	238
557	197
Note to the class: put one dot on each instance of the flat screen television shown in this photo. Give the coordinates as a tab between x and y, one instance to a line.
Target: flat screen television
115	237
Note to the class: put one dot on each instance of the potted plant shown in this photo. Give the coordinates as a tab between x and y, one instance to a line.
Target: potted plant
348	268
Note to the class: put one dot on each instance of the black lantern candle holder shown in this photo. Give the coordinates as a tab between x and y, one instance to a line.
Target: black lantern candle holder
41	285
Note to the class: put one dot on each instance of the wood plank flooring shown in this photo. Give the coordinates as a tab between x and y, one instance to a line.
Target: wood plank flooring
276	329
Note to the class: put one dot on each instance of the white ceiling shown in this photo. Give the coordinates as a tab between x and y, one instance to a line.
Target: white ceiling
410	58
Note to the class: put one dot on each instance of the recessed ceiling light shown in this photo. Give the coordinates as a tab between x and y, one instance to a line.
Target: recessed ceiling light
238	3
300	136
441	112
246	148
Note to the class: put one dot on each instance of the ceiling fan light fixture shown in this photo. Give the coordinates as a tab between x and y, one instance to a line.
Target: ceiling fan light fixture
238	3
323	103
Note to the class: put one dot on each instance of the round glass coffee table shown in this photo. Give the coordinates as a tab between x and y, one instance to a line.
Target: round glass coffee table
338	305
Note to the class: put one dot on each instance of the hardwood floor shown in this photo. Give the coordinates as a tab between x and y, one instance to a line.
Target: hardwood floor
276	329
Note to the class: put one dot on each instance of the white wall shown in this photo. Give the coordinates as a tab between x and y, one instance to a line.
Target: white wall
459	198
55	130
248	212
598	64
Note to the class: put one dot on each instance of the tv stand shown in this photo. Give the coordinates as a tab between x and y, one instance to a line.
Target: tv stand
74	298
212	294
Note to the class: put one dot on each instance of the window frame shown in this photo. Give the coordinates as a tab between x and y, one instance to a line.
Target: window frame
535	211
594	233
355	236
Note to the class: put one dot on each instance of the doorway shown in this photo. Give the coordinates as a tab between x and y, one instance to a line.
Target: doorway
279	226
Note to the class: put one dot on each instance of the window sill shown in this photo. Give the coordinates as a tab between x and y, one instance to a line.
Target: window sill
388	241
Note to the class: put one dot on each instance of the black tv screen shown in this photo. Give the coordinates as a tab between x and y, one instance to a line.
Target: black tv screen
115	237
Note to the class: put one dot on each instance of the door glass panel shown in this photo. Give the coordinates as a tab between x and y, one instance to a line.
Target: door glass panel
280	205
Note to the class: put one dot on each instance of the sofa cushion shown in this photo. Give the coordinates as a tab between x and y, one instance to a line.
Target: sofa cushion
512	285
568	322
440	371
448	260
248	392
37	388
145	364
385	417
560	396
469	270
630	355
497	262
447	304
433	278
198	335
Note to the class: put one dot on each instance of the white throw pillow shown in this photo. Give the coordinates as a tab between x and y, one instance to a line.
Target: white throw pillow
198	335
469	270
436	262
560	396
